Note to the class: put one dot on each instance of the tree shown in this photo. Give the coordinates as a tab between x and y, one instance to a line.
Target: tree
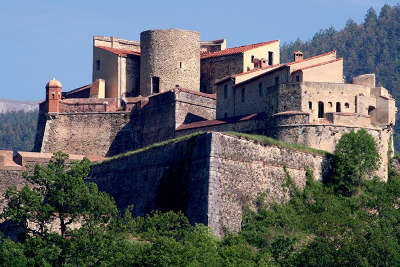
58	195
355	157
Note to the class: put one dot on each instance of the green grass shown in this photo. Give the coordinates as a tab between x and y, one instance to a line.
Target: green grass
163	143
260	138
270	141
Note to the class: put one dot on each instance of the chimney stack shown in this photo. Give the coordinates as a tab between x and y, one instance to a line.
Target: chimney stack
297	56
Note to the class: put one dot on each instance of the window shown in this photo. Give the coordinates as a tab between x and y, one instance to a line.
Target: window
338	108
97	65
225	91
371	110
252	59
243	94
270	58
310	105
156	84
260	91
346	105
320	109
297	78
180	65
330	104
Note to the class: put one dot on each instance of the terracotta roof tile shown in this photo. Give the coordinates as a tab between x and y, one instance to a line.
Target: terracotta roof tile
321	64
236	50
120	52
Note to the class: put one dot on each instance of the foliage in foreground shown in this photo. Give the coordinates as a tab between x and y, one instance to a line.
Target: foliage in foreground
318	226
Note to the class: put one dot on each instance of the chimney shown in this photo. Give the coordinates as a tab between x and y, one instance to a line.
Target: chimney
297	56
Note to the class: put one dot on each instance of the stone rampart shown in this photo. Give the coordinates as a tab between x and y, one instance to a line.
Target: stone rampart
212	177
326	137
85	133
194	106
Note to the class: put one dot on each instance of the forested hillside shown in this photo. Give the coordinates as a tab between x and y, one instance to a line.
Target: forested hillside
17	130
371	47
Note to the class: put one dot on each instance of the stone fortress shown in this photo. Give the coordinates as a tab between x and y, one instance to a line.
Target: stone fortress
169	85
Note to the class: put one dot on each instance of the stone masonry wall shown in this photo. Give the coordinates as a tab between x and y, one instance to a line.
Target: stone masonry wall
326	137
240	170
171	55
212	177
215	68
192	107
86	133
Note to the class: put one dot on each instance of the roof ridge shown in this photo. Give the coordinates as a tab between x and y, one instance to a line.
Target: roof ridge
309	58
236	50
320	64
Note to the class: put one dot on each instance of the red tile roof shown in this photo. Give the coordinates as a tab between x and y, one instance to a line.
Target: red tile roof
236	50
321	64
207	123
120	52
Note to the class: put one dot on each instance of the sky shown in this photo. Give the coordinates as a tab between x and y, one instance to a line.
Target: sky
43	39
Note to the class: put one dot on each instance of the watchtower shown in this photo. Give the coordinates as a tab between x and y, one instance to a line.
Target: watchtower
53	95
169	58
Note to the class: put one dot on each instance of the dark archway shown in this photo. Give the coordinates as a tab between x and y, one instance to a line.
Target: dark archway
320	109
338	107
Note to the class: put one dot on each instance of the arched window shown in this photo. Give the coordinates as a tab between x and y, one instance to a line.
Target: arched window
338	108
346	105
320	109
309	105
371	110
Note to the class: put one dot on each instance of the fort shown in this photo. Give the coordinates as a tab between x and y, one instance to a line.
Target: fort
166	112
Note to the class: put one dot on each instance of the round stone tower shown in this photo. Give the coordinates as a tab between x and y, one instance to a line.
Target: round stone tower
169	59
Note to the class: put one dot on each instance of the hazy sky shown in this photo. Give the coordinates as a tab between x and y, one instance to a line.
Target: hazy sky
42	39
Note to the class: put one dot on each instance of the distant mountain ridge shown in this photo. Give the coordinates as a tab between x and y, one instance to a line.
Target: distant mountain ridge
8	105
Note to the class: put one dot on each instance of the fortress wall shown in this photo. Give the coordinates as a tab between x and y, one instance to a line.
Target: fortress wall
286	118
256	125
240	170
289	97
153	122
213	177
215	68
172	176
86	133
192	107
326	137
